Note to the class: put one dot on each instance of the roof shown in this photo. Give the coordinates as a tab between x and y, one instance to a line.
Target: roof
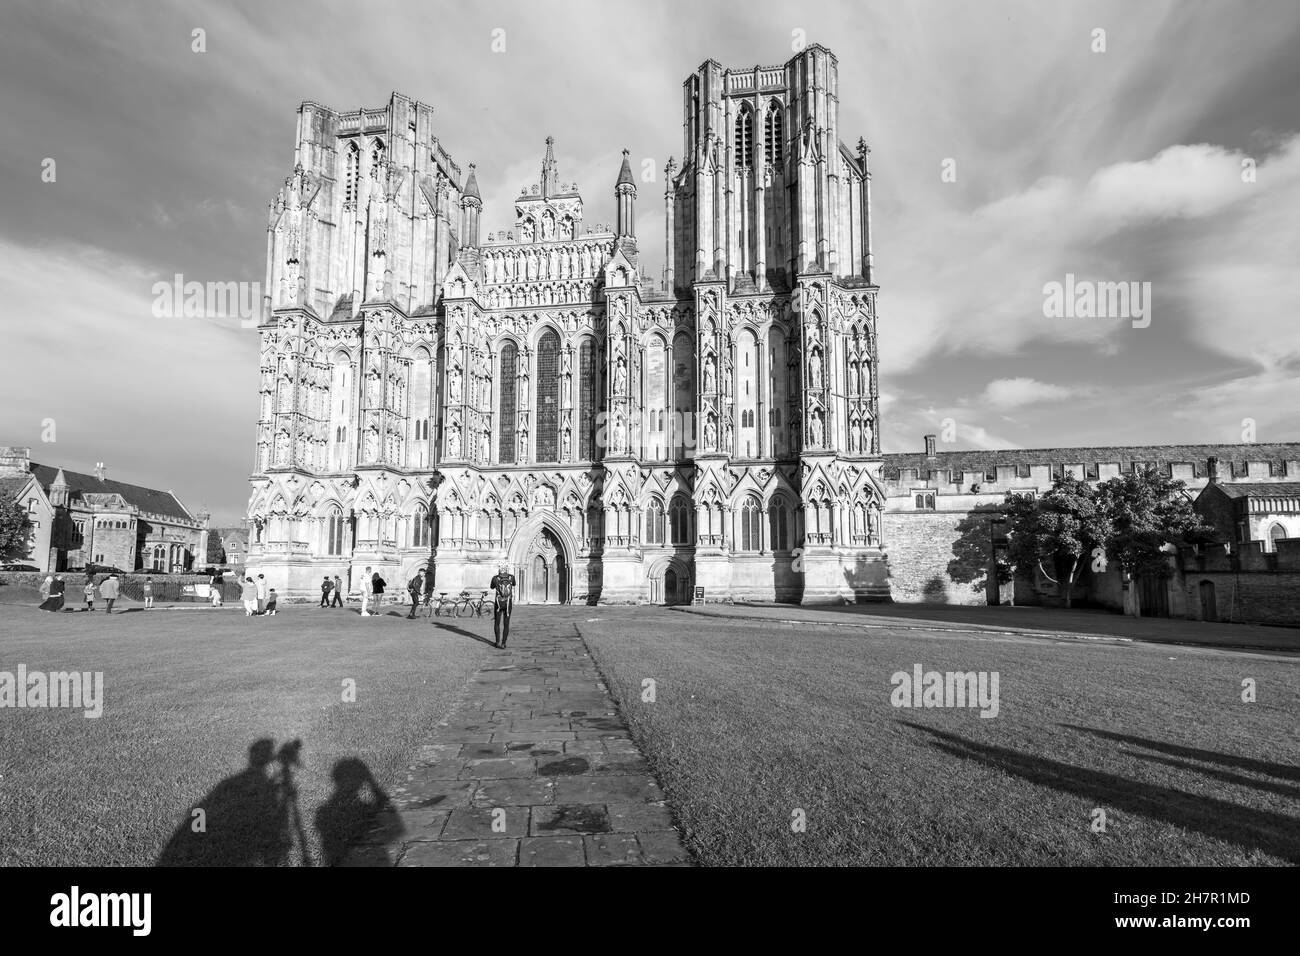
1258	489
148	500
985	459
625	173
471	186
10	486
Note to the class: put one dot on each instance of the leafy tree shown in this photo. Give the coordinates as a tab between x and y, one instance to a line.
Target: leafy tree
1149	511
1057	530
15	529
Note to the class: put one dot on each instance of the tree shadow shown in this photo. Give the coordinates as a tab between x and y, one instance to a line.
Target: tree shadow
1280	770
1282	789
975	562
347	818
1272	833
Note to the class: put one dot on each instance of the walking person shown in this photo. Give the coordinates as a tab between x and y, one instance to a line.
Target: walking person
261	594
365	593
248	594
54	602
214	590
89	591
413	588
377	585
326	585
108	591
270	603
337	600
148	593
503	604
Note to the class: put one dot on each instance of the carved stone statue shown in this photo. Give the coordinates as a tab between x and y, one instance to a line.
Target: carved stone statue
710	376
453	442
620	377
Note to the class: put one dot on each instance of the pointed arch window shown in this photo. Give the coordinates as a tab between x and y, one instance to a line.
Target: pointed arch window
420	528
586	399
779	517
376	159
1275	534
679	519
351	172
548	397
772	150
334	532
654	522
744	144
508	411
751	538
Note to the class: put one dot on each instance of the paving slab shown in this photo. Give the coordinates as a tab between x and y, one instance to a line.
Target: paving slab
533	767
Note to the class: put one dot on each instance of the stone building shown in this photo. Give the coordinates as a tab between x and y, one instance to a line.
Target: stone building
84	519
434	395
941	506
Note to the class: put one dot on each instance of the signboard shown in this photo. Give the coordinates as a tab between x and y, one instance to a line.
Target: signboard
699	595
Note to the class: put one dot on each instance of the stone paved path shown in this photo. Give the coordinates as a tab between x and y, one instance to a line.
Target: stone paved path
533	767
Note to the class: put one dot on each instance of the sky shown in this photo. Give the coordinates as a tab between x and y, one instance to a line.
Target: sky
1013	145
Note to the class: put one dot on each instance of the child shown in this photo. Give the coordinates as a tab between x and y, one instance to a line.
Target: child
148	592
270	602
214	591
89	591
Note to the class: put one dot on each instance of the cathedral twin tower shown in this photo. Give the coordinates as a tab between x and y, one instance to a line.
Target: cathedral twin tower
434	397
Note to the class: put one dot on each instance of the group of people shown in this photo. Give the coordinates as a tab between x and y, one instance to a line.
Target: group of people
420	589
54	590
257	597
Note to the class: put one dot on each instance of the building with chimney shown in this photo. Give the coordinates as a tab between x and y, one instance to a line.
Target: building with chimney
89	519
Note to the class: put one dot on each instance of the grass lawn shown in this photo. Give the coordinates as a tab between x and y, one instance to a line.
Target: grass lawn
751	722
187	692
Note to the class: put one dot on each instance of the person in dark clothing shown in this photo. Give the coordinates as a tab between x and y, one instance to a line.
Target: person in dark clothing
55	601
503	604
337	600
377	585
413	588
326	586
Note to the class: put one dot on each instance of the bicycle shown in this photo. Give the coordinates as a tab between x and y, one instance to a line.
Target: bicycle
443	605
468	604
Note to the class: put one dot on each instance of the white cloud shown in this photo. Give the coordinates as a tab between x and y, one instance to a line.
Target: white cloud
1008	393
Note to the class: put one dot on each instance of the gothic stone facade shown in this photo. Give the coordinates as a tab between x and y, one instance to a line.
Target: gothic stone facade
431	396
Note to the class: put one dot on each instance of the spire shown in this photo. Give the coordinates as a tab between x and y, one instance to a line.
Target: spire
550	173
625	174
625	193
471	186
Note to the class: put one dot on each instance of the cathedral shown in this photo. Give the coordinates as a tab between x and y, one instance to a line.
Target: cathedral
436	396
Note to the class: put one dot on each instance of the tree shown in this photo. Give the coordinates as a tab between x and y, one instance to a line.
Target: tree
1149	512
1058	530
15	530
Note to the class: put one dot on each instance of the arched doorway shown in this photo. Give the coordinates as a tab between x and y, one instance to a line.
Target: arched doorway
544	571
670	584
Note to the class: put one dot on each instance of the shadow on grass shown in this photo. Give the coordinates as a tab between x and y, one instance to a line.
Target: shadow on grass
1280	770
252	818
1273	833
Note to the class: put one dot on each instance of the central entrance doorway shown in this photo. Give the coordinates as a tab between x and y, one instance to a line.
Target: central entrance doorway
544	571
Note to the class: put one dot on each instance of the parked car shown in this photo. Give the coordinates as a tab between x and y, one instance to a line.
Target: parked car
18	567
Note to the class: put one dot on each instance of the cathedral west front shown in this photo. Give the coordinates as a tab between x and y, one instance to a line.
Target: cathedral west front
434	394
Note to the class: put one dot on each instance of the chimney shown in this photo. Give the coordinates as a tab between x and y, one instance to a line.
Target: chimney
15	460
929	446
1212	469
100	471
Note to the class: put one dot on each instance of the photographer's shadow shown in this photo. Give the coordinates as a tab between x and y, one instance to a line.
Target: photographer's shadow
245	820
348	819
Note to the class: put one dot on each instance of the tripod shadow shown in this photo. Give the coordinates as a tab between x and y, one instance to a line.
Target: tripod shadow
245	820
461	631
